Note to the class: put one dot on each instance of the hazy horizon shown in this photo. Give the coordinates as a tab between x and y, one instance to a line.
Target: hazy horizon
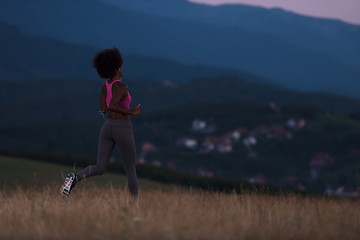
346	10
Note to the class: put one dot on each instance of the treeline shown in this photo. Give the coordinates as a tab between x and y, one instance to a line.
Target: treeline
62	97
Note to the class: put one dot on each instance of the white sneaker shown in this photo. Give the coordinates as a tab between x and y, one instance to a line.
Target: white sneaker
69	183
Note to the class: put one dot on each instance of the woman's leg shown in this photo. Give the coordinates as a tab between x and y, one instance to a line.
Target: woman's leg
105	149
124	138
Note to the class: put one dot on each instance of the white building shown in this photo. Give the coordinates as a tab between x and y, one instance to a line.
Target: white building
198	125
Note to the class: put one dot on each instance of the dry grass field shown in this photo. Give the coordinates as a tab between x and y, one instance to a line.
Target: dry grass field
108	212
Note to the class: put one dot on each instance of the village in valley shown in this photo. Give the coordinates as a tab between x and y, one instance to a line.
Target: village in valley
247	139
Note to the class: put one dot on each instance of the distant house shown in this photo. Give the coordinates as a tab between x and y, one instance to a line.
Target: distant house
235	135
249	141
187	142
148	147
209	144
224	147
198	125
140	160
279	132
296	123
319	162
342	192
258	178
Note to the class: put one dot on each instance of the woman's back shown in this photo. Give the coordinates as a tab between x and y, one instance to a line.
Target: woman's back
115	92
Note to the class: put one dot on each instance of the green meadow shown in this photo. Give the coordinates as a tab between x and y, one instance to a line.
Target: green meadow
21	172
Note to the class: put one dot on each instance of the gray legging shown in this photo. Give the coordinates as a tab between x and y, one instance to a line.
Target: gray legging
121	133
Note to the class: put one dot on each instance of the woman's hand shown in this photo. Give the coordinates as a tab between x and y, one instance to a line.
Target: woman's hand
136	111
102	114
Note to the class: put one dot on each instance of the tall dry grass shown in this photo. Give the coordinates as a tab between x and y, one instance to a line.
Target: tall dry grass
110	213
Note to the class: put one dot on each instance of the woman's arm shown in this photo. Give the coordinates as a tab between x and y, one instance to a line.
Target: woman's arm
118	92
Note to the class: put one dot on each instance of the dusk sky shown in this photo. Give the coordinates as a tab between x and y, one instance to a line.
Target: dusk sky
346	10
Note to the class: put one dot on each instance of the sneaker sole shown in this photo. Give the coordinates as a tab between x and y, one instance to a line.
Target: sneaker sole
66	187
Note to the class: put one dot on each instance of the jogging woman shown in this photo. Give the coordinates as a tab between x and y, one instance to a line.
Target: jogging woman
117	128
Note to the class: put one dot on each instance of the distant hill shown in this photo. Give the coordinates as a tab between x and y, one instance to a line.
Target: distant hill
187	41
336	38
60	98
28	57
223	89
25	57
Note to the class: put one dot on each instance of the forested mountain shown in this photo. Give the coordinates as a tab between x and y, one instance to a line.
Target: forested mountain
27	57
188	41
330	36
47	99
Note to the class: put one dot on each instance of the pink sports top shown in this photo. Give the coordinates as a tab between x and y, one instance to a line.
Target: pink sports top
124	103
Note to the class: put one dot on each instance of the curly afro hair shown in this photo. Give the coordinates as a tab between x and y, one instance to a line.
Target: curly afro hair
107	62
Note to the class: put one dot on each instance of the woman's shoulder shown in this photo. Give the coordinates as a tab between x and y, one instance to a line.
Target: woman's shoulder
119	88
120	85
